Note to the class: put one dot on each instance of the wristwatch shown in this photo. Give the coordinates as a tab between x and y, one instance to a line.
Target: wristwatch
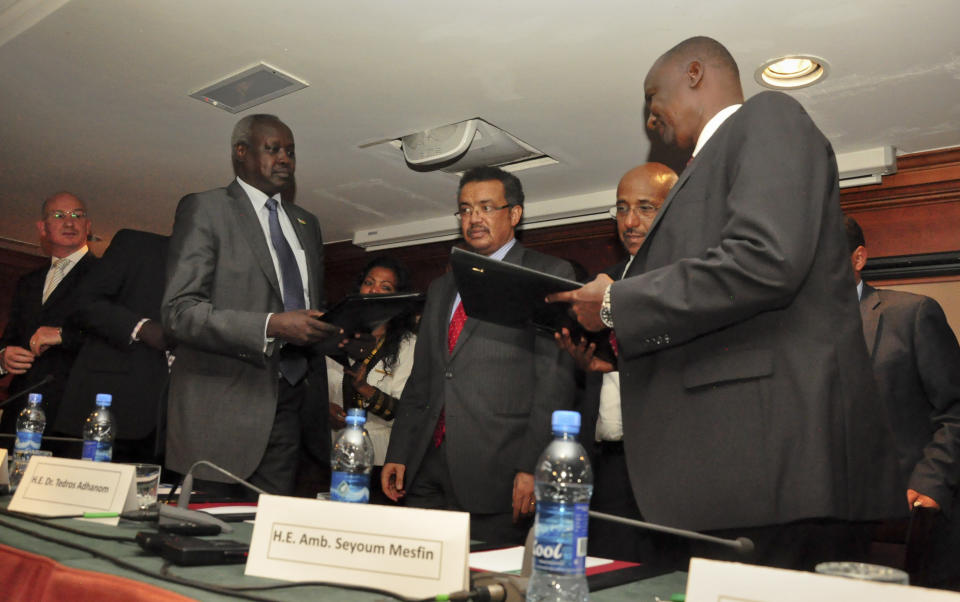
606	311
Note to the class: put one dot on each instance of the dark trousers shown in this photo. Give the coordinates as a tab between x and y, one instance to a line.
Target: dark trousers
612	494
433	489
799	545
276	473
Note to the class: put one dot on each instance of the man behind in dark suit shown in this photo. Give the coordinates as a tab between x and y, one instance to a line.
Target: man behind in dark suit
475	413
244	284
124	352
39	340
916	361
640	194
749	406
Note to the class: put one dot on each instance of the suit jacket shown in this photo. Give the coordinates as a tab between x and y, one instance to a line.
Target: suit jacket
27	313
499	389
221	284
916	360
125	286
748	398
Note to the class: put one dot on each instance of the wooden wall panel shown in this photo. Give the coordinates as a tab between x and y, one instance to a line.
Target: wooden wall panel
916	210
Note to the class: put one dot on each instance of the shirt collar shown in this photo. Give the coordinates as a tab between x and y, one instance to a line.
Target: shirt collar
257	196
74	257
860	290
713	125
500	253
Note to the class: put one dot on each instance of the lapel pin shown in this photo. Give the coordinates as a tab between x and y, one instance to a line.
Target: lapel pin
301	221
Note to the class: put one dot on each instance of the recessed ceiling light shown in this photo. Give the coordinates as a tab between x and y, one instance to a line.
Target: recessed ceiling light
791	72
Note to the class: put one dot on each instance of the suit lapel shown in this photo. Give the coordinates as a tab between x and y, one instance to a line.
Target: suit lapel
67	283
871	315
252	230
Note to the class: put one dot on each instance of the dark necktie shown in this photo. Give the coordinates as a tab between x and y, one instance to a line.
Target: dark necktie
453	333
293	365
289	272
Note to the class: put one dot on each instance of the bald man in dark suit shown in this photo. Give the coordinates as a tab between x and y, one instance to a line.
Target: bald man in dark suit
749	406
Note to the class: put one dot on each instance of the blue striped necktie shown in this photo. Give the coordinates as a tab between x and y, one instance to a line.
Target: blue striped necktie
293	366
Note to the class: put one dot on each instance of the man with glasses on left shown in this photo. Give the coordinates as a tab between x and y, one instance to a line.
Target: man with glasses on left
39	340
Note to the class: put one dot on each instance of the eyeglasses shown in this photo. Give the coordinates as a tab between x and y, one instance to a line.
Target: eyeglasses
75	214
483	210
644	210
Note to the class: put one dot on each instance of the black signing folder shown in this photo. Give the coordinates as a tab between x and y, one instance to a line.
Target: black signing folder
513	295
358	314
362	313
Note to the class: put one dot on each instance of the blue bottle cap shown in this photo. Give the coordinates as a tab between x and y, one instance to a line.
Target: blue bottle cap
104	399
566	421
34	398
356	416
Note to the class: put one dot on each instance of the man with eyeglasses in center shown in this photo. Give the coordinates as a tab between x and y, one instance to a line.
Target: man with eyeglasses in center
640	194
39	340
475	413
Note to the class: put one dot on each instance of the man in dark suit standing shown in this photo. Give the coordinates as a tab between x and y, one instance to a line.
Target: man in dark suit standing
640	194
916	360
475	413
39	340
748	401
125	349
244	284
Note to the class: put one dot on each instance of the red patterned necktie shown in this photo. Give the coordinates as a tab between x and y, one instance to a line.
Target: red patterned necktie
456	326
453	333
614	345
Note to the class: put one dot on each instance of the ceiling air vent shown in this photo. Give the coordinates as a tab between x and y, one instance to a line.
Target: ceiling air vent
249	88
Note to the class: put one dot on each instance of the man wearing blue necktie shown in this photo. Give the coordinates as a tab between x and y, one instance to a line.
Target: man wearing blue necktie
244	288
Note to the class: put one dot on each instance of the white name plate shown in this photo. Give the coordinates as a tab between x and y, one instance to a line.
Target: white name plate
713	581
411	552
59	487
4	473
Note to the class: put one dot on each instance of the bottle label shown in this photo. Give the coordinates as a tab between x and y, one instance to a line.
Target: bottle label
561	537
27	441
98	451
350	487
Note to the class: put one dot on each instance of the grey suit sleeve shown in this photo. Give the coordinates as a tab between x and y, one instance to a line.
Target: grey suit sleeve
188	309
938	364
767	243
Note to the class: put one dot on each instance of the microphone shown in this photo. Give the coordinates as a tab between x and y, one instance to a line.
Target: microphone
46	379
187	485
742	545
177	515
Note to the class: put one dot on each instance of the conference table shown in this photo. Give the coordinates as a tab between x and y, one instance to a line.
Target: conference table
24	545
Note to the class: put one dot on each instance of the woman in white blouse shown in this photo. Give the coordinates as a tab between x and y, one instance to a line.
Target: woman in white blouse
376	381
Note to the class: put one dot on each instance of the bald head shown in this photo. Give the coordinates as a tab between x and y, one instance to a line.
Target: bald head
64	225
640	194
687	86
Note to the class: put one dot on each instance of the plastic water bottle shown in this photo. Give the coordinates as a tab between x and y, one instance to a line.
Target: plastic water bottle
564	483
30	425
98	431
351	461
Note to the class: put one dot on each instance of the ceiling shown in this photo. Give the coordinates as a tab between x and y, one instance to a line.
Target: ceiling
94	93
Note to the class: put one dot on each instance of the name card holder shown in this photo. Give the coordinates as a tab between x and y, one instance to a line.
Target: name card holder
412	552
713	580
64	487
4	472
